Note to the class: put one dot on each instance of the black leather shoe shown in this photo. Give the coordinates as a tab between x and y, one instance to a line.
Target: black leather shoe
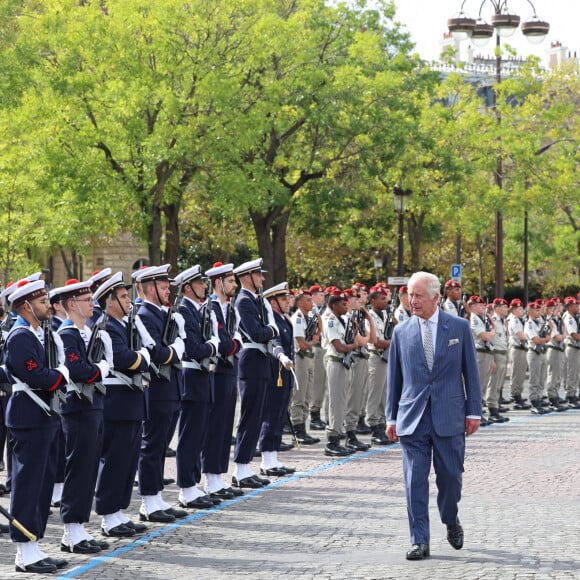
418	552
176	513
503	409
248	482
169	452
333	449
223	494
262	480
288	470
139	528
317	425
101	544
120	531
362	428
455	535
84	547
483	422
200	503
4	529
2	489
168	480
55	504
40	567
273	471
306	439
286	446
237	492
159	516
58	562
352	442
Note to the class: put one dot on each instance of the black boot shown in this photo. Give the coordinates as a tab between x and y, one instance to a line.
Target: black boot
362	428
573	402
287	429
353	443
316	423
335	449
379	437
537	407
495	417
303	436
520	404
555	405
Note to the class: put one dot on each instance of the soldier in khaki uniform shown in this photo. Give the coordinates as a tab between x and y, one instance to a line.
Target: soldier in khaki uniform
571	321
333	341
496	380
538	334
517	353
319	382
555	354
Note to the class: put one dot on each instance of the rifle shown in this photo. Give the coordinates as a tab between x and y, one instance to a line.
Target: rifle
140	380
349	339
461	306
542	333
488	324
51	361
209	363
231	327
361	324
390	325
170	334
309	331
263	314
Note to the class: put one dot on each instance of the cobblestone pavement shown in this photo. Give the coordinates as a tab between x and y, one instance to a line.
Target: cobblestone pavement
347	519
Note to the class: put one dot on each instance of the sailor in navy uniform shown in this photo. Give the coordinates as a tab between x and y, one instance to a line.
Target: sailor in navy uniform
97	278
280	388
123	413
215	456
33	428
81	416
258	330
163	395
201	345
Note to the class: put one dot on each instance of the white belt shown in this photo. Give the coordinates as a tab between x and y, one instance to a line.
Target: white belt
257	346
20	386
113	381
191	364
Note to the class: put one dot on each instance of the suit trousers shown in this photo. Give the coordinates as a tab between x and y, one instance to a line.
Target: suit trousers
554	368
496	380
338	379
252	397
34	453
572	370
536	365
304	368
118	466
319	382
377	391
83	432
448	457
519	366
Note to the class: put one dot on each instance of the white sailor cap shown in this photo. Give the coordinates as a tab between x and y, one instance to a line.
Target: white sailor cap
153	273
4	295
187	276
110	285
99	276
33	277
26	290
140	271
219	270
249	267
278	290
70	289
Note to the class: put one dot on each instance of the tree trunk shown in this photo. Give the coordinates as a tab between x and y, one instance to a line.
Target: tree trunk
271	230
415	232
171	211
154	241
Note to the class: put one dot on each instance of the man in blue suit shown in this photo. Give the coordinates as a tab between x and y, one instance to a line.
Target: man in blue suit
433	402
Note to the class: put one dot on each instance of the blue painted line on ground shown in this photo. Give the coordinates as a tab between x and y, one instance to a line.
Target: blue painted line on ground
100	560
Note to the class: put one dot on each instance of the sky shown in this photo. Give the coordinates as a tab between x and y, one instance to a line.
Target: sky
426	21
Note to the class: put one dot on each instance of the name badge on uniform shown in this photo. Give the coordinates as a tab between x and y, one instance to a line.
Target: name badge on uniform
453	341
330	324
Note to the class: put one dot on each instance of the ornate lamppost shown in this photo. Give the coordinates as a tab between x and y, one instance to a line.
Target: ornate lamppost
400	197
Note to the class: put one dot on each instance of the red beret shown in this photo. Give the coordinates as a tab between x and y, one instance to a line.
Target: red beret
550	303
570	300
534	305
303	293
515	303
403	290
500	302
476	300
452	284
314	289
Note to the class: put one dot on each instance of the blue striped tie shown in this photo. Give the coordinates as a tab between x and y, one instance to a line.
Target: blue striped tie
428	344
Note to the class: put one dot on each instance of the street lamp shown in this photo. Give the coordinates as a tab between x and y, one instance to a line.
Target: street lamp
504	24
378	262
400	197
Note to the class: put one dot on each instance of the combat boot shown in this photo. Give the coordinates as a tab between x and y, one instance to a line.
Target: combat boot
352	442
303	437
335	449
316	423
556	406
520	404
379	437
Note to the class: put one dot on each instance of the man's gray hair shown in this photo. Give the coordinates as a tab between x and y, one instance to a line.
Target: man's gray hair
433	284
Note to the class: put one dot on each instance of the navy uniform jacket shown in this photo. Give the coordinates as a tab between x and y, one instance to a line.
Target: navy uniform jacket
286	340
122	403
80	369
253	363
160	391
196	384
228	345
25	360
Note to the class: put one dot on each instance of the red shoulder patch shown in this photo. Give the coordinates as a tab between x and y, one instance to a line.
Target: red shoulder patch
220	326
31	364
73	357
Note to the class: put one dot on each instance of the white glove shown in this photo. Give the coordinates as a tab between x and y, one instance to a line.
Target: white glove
271	319
145	355
179	347
60	348
180	321
214	324
285	361
108	344
237	336
64	372
104	367
146	338
215	342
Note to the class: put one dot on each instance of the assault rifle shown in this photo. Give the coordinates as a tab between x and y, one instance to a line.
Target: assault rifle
488	326
51	361
309	332
542	333
142	380
390	324
263	313
207	364
170	334
349	334
231	327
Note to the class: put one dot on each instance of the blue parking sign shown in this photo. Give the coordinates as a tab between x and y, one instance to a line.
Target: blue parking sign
456	271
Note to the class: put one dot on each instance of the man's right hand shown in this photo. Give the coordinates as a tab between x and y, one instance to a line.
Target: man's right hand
392	433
